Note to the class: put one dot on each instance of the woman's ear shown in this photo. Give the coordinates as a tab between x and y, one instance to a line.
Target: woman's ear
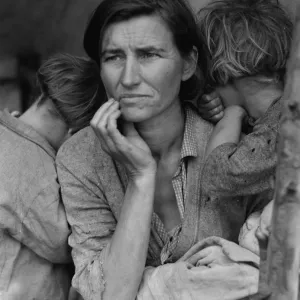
190	64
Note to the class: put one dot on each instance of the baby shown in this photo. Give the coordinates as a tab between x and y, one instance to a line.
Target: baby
257	224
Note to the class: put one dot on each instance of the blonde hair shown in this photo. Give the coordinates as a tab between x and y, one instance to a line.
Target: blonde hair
72	84
245	38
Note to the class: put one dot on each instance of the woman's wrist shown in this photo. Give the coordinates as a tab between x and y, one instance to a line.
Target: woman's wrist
143	187
144	177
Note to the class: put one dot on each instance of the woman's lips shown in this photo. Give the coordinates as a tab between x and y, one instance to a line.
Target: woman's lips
131	99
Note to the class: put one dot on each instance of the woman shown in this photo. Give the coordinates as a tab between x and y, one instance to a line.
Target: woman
131	186
34	254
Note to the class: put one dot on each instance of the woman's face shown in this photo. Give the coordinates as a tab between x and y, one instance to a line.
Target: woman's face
142	68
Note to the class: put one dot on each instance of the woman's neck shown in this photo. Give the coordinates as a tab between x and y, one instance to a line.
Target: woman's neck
164	133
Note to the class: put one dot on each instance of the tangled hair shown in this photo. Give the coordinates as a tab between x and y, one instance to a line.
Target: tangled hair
72	84
177	15
245	38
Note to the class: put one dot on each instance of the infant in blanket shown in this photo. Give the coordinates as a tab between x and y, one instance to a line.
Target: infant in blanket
258	222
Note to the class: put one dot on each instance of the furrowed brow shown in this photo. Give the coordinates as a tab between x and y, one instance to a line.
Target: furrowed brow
111	52
151	49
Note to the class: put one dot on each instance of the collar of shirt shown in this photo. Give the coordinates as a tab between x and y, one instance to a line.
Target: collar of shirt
169	241
189	143
26	131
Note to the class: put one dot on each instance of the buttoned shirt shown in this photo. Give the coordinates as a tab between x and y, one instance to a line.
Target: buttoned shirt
169	240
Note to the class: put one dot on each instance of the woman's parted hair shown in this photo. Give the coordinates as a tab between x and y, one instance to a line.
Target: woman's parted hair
72	84
178	16
245	38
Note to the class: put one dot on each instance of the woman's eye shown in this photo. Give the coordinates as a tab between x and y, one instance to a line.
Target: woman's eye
148	55
112	58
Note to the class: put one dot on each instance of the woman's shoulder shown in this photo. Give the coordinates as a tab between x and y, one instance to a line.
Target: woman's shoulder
200	127
82	149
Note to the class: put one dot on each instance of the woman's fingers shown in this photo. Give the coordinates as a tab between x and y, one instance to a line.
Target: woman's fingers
99	113
199	256
103	121
205	261
113	132
100	121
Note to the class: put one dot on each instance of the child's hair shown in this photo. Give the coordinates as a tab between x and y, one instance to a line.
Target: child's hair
72	84
245	38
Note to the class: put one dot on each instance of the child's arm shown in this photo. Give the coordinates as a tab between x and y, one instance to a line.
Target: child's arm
228	129
245	168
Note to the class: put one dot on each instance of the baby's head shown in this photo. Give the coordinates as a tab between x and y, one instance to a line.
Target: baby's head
247	238
245	38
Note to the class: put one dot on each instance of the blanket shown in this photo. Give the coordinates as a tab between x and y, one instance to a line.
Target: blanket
187	280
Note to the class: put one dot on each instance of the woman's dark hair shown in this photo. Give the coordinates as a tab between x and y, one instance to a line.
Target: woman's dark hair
245	38
72	84
175	13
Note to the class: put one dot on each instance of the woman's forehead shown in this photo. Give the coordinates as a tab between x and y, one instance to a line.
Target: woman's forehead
142	31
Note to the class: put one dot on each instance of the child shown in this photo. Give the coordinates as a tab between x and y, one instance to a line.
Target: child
34	253
248	45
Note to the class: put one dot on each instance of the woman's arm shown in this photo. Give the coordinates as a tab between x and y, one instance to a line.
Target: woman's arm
228	129
126	256
109	256
127	252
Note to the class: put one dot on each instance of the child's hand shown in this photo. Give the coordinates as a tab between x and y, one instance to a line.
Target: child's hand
212	255
264	229
210	107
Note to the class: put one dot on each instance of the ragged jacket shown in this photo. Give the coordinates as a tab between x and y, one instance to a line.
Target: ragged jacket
34	250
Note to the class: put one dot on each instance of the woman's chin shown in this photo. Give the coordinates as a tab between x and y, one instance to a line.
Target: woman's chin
133	116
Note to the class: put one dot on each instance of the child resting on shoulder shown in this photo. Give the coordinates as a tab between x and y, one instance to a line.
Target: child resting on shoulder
248	51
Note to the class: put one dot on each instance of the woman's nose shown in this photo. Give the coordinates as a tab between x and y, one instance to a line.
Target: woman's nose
131	73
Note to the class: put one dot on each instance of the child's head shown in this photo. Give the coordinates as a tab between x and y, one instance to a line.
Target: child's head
71	85
245	38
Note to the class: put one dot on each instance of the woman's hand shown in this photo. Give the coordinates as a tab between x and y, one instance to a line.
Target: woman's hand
128	148
212	255
210	107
